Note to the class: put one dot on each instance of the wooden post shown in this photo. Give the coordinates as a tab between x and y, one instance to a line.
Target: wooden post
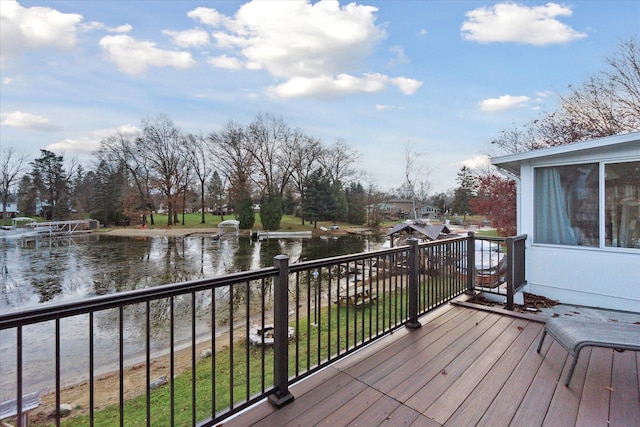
471	264
282	396
414	278
510	272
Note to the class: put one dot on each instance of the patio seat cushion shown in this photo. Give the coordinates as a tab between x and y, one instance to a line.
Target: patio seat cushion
575	334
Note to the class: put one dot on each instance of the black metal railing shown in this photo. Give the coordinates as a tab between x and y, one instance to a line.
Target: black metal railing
194	353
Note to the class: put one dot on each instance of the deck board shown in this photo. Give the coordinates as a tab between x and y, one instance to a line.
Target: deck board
463	367
622	412
473	407
594	407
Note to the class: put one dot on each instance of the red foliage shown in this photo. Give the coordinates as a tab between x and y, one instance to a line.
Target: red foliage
496	199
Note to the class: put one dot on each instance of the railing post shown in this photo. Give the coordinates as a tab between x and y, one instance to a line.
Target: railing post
510	272
282	395
471	264
414	267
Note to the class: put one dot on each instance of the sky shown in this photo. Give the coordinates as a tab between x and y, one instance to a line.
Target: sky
440	77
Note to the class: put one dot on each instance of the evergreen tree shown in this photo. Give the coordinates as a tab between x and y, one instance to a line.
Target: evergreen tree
27	196
244	210
53	186
357	204
271	210
215	189
319	199
465	192
288	203
110	187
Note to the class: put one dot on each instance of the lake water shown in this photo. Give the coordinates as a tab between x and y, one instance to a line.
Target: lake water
66	269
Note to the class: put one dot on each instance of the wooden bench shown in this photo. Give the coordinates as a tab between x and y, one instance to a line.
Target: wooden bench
574	334
356	297
9	408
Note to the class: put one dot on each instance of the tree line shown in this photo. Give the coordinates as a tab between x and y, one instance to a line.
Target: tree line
266	162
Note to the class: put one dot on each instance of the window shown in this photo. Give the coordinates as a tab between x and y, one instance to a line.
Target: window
566	205
622	204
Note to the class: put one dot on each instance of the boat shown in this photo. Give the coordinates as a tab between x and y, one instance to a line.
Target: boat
265	335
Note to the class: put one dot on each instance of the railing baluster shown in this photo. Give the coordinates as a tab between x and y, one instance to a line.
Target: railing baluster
19	373
58	402
247	322
262	322
193	358
172	361
214	376
91	372
232	350
121	362
148	360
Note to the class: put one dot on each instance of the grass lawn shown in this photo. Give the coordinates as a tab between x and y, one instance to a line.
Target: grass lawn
239	374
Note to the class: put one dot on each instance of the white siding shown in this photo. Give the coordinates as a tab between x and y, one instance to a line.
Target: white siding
598	277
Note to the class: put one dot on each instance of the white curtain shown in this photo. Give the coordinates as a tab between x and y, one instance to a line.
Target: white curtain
552	223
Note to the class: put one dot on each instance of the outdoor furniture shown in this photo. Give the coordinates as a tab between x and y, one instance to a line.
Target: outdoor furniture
573	335
355	296
9	408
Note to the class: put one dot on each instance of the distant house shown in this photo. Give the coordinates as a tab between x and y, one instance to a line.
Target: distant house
579	205
403	208
428	211
387	210
11	210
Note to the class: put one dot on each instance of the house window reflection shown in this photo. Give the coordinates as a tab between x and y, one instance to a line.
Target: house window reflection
622	205
567	205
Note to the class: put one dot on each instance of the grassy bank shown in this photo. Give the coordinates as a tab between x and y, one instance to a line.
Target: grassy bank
337	329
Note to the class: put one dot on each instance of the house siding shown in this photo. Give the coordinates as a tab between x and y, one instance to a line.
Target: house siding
593	276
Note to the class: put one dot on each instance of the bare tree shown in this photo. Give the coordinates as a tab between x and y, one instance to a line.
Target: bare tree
338	162
11	166
304	156
416	177
267	139
125	149
228	147
607	103
162	146
199	160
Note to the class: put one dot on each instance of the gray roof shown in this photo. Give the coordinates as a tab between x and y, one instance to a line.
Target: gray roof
512	162
432	232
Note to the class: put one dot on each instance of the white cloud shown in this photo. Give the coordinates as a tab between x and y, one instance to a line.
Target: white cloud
382	107
94	25
28	28
224	61
328	86
400	56
304	45
134	56
87	144
505	102
479	162
206	16
406	86
511	22
190	38
22	120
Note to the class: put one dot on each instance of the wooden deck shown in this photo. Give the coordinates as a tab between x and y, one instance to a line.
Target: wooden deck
464	367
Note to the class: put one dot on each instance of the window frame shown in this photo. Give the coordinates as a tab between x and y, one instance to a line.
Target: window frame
601	164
